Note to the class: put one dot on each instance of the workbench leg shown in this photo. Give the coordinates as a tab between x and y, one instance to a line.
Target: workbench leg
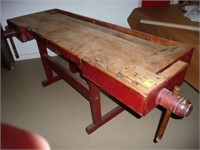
48	71
95	104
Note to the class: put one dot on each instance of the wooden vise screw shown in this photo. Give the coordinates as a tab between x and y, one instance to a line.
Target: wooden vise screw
9	33
173	104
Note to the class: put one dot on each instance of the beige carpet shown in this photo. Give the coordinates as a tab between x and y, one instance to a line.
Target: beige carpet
60	114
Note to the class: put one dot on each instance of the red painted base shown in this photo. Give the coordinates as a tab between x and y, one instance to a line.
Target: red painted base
107	117
48	82
89	90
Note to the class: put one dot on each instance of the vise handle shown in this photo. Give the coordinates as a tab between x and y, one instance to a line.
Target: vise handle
173	104
9	33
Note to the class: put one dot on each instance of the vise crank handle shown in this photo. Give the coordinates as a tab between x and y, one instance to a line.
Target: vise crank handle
163	125
173	103
14	47
9	33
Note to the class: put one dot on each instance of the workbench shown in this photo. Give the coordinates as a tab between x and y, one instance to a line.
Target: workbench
137	69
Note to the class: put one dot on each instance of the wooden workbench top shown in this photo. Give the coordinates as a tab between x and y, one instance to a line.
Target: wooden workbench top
134	61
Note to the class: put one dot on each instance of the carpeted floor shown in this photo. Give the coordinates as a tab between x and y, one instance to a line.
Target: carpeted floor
60	114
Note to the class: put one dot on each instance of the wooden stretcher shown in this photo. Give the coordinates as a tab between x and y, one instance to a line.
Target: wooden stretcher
138	69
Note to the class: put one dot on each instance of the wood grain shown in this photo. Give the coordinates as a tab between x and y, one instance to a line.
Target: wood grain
131	60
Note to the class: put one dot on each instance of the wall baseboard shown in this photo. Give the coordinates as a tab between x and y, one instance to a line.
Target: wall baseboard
32	56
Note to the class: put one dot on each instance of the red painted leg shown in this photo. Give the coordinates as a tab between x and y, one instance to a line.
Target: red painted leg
48	70
107	117
50	81
90	91
95	105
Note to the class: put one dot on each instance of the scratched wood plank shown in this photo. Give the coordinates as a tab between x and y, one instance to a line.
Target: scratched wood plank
81	37
130	60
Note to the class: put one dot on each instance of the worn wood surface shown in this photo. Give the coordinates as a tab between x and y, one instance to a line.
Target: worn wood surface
131	60
170	14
